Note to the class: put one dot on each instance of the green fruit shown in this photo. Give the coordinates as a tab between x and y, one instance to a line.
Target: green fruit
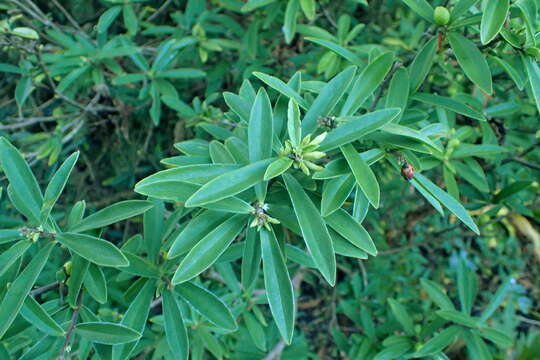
441	15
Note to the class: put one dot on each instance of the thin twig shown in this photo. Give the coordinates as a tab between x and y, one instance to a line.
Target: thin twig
44	288
383	86
67	15
72	325
160	10
525	163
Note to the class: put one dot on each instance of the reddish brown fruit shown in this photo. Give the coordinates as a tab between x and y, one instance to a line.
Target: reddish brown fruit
407	171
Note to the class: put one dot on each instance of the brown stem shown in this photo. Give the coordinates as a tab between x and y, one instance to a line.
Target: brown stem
71	329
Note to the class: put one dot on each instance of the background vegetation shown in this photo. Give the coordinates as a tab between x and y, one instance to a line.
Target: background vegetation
106	255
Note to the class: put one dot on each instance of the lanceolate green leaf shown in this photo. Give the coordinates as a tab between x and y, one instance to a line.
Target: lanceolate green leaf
19	289
195	174
135	318
93	249
421	7
344	224
197	228
494	14
251	259
95	283
533	72
260	134
357	127
106	333
277	167
402	316
472	61
398	91
229	184
437	295
175	330
112	214
289	26
422	63
209	249
450	104
448	201
294	128
208	305
38	317
438	342
335	192
340	50
461	7
9	256
366	83
313	229
458	317
327	99
279	290
281	87
365	178
21	178
57	184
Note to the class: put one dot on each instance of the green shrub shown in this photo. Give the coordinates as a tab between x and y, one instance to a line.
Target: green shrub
354	181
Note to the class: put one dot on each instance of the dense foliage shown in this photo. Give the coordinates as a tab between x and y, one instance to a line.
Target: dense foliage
263	179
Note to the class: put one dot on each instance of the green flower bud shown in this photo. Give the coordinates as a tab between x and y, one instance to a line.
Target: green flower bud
441	15
314	155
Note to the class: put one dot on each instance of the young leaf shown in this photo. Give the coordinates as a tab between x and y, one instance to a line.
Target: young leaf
279	290
229	184
260	135
175	330
493	16
208	305
93	249
57	184
106	333
19	289
461	7
365	178
277	167
112	214
209	249
472	61
20	176
356	128
313	229
366	83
